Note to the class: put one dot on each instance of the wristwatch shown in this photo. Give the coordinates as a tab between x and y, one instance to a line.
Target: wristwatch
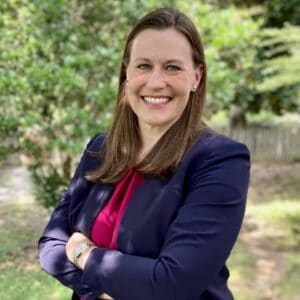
77	252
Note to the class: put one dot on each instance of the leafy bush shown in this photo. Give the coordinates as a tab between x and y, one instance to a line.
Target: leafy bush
48	186
59	63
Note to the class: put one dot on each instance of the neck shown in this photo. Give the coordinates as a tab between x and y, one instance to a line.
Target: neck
150	136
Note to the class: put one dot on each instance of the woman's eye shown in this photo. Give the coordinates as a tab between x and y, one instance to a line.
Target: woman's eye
143	67
172	68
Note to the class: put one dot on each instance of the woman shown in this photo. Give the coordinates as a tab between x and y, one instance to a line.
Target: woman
155	206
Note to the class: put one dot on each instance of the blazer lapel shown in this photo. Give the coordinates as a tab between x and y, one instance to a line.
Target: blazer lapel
98	196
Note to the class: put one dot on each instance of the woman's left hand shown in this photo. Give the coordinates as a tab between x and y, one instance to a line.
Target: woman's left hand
74	241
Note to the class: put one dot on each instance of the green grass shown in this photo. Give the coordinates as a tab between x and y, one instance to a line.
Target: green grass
16	230
30	283
279	219
288	289
265	263
20	273
242	266
275	239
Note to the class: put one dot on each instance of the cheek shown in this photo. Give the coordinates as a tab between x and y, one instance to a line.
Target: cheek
133	89
134	86
135	81
182	83
183	91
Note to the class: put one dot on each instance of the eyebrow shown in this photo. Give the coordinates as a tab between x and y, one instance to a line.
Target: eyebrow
176	61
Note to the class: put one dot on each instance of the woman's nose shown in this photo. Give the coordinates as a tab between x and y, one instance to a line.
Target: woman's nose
156	79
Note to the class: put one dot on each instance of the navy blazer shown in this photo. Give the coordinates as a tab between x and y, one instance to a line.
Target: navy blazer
176	233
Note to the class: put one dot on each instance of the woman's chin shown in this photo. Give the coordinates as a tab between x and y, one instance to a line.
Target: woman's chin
157	124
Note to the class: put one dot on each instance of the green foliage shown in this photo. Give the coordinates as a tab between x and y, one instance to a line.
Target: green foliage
280	66
230	40
272	81
282	48
8	125
59	63
263	118
278	12
49	186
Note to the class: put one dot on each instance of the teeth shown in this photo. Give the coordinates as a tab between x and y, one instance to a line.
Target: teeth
156	100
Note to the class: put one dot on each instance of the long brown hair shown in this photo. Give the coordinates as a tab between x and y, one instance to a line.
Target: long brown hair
123	142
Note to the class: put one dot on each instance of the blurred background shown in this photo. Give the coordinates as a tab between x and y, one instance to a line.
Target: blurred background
59	63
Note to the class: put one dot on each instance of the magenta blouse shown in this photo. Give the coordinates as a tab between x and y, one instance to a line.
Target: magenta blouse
106	224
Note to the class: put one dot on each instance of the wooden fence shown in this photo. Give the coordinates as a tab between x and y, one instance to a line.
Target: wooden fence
268	143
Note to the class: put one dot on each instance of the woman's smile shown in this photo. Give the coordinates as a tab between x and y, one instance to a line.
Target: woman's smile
156	99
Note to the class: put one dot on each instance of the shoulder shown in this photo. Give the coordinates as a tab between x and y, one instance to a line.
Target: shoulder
90	157
218	159
96	142
211	146
215	161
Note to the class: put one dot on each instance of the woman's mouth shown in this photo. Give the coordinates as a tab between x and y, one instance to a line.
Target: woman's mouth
156	100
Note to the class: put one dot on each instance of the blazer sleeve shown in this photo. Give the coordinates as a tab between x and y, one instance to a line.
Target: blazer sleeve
52	243
198	241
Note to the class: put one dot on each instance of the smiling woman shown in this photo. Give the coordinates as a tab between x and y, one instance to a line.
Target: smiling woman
156	204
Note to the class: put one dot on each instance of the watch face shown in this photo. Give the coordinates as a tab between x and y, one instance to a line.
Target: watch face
80	249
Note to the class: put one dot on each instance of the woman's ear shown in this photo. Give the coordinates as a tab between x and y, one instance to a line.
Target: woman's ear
198	74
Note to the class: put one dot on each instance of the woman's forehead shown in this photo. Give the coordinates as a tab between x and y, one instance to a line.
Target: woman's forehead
167	44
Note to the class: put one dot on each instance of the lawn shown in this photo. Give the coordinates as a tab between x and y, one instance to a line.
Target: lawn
20	275
264	265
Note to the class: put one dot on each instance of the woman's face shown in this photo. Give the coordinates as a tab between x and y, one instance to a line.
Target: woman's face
161	75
